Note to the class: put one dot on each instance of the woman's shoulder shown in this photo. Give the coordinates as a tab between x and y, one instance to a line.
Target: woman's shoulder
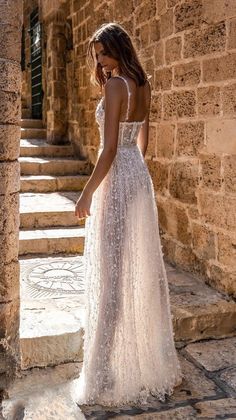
113	88
114	82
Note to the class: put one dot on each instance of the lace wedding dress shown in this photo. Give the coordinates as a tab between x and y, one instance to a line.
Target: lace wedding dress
129	351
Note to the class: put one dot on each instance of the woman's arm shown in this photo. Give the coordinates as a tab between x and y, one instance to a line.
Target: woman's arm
142	139
111	131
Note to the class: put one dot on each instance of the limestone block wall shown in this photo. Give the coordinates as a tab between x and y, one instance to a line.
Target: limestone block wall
189	49
10	106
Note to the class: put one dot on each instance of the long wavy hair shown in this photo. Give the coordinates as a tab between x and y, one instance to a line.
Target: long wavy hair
118	45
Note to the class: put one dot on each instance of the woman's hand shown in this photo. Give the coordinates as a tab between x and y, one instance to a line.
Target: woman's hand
82	207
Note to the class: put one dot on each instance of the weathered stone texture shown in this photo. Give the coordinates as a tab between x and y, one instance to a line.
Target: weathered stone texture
214	355
188	15
9	107
203	241
10	76
229	99
222	278
166	23
163	79
229	377
154	30
211	171
205	41
187	74
11	14
151	149
144	11
10	85
9	142
232	34
179	104
227	250
190	138
156	108
165	140
161	7
9	219
173	49
10	42
159	173
159	53
214	409
220	68
184	180
220	136
217	209
9	320
229	163
174	220
208	100
9	177
223	9
9	286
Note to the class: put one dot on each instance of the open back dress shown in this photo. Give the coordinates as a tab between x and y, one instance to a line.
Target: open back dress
129	351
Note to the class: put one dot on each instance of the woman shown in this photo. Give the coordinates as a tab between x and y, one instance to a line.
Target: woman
129	351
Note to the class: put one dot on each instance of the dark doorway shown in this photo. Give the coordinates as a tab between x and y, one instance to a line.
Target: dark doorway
36	63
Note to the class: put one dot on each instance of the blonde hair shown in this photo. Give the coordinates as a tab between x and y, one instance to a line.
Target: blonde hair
118	45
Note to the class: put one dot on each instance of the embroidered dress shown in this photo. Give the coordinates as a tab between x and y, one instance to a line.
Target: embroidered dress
129	351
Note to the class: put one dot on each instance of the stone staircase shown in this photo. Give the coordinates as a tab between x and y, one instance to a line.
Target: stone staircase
51	180
51	248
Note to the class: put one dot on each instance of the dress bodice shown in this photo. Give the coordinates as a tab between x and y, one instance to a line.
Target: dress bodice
128	130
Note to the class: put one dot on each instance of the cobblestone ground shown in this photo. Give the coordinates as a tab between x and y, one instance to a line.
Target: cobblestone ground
207	392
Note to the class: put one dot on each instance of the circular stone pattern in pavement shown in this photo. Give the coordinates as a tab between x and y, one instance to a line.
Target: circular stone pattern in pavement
55	278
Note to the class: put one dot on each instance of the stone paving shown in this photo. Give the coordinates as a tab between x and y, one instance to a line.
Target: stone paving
52	309
208	390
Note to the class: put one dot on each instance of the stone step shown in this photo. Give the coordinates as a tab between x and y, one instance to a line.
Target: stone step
48	210
52	241
25	113
53	166
31	123
47	183
39	147
53	302
43	394
51	332
33	133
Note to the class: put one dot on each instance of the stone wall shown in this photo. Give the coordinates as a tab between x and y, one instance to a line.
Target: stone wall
56	32
189	49
10	86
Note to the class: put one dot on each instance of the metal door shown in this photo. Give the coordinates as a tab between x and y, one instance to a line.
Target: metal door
36	64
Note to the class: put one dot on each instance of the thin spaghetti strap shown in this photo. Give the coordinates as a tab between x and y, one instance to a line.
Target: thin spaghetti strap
129	93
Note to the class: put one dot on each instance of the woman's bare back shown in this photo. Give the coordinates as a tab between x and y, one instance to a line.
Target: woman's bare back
135	104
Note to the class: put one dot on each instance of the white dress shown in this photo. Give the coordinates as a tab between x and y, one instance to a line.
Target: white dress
129	351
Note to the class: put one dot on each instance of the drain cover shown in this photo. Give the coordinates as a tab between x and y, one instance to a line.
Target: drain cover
54	278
